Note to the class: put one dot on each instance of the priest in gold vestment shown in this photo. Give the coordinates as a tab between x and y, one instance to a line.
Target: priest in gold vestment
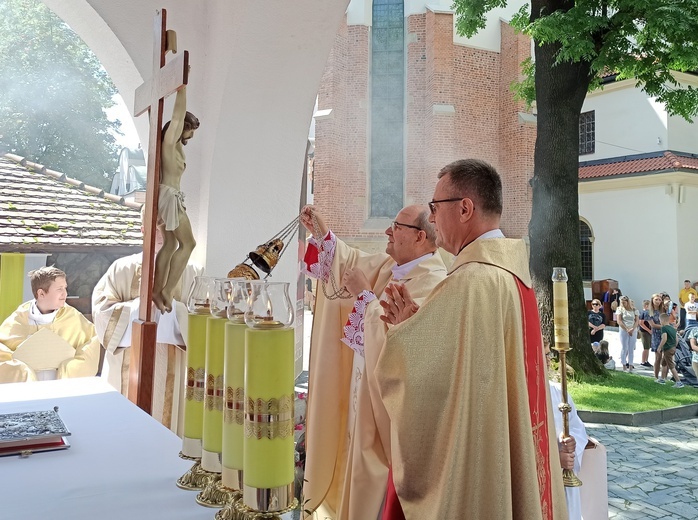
463	378
115	304
347	441
48	311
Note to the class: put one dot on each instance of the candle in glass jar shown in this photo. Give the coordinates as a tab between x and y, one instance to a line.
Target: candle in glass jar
233	414
269	399
213	404
195	383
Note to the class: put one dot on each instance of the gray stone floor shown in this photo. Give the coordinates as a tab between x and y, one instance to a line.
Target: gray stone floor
652	470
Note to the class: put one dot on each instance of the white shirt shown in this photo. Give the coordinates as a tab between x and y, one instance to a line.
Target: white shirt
37	318
493	233
400	271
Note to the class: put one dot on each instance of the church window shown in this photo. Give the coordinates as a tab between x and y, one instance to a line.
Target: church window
587	132
387	108
586	242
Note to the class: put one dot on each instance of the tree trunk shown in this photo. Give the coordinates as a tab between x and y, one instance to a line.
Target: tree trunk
554	227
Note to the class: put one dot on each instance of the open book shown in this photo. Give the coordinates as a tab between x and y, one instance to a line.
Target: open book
44	350
28	432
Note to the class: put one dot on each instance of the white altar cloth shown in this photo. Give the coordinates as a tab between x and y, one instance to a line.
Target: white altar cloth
122	464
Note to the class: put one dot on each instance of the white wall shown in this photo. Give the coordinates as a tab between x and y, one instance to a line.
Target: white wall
683	136
627	122
635	236
687	217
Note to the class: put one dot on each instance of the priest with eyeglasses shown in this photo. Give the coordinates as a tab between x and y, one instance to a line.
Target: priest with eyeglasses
348	439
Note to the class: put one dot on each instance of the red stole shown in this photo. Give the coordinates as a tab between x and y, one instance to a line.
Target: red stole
537	384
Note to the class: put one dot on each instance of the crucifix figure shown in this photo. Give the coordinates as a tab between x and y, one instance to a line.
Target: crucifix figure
151	97
178	237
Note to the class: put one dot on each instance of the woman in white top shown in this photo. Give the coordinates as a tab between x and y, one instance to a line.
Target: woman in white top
628	318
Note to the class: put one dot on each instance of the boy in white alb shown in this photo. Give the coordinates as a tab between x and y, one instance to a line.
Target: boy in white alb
48	311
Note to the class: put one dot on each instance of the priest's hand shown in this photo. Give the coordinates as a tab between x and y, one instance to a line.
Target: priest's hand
398	305
307	214
356	282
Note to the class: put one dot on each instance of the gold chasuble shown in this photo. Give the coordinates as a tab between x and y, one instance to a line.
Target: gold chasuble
346	461
69	324
464	383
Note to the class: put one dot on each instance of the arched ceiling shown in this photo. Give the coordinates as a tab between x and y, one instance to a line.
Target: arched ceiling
255	72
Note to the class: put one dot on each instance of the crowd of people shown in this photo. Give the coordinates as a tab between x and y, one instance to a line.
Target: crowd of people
659	324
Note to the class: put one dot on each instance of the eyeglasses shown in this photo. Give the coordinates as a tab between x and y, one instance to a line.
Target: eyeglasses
596	305
433	203
394	224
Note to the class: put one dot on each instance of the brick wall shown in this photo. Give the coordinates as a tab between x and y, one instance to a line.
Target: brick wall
341	140
516	140
458	104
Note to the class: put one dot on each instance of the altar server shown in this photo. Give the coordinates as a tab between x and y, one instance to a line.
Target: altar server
115	305
48	310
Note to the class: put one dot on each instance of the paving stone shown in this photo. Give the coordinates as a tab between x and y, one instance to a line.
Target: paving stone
647	486
682	510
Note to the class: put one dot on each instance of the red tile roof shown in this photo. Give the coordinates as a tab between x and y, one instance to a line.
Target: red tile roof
45	211
645	163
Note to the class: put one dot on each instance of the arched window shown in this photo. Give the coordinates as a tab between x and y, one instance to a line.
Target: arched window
586	244
387	107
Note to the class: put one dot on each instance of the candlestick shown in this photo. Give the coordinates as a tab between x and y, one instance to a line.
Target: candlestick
562	345
212	446
269	397
195	478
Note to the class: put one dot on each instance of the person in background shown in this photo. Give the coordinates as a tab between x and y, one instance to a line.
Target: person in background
692	338
683	300
667	346
655	310
115	305
605	357
690	311
627	317
611	300
596	321
645	333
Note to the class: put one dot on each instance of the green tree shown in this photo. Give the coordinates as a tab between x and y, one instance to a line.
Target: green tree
53	95
575	41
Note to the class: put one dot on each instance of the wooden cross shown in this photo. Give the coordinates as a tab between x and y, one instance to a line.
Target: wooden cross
151	97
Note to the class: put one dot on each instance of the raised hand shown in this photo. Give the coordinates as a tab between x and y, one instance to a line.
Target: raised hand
308	221
398	305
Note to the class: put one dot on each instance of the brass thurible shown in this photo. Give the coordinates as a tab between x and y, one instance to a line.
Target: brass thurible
562	345
267	255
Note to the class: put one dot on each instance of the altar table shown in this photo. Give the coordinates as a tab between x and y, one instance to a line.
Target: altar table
122	463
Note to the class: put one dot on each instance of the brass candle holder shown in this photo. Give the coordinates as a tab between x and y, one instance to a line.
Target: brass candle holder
562	345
